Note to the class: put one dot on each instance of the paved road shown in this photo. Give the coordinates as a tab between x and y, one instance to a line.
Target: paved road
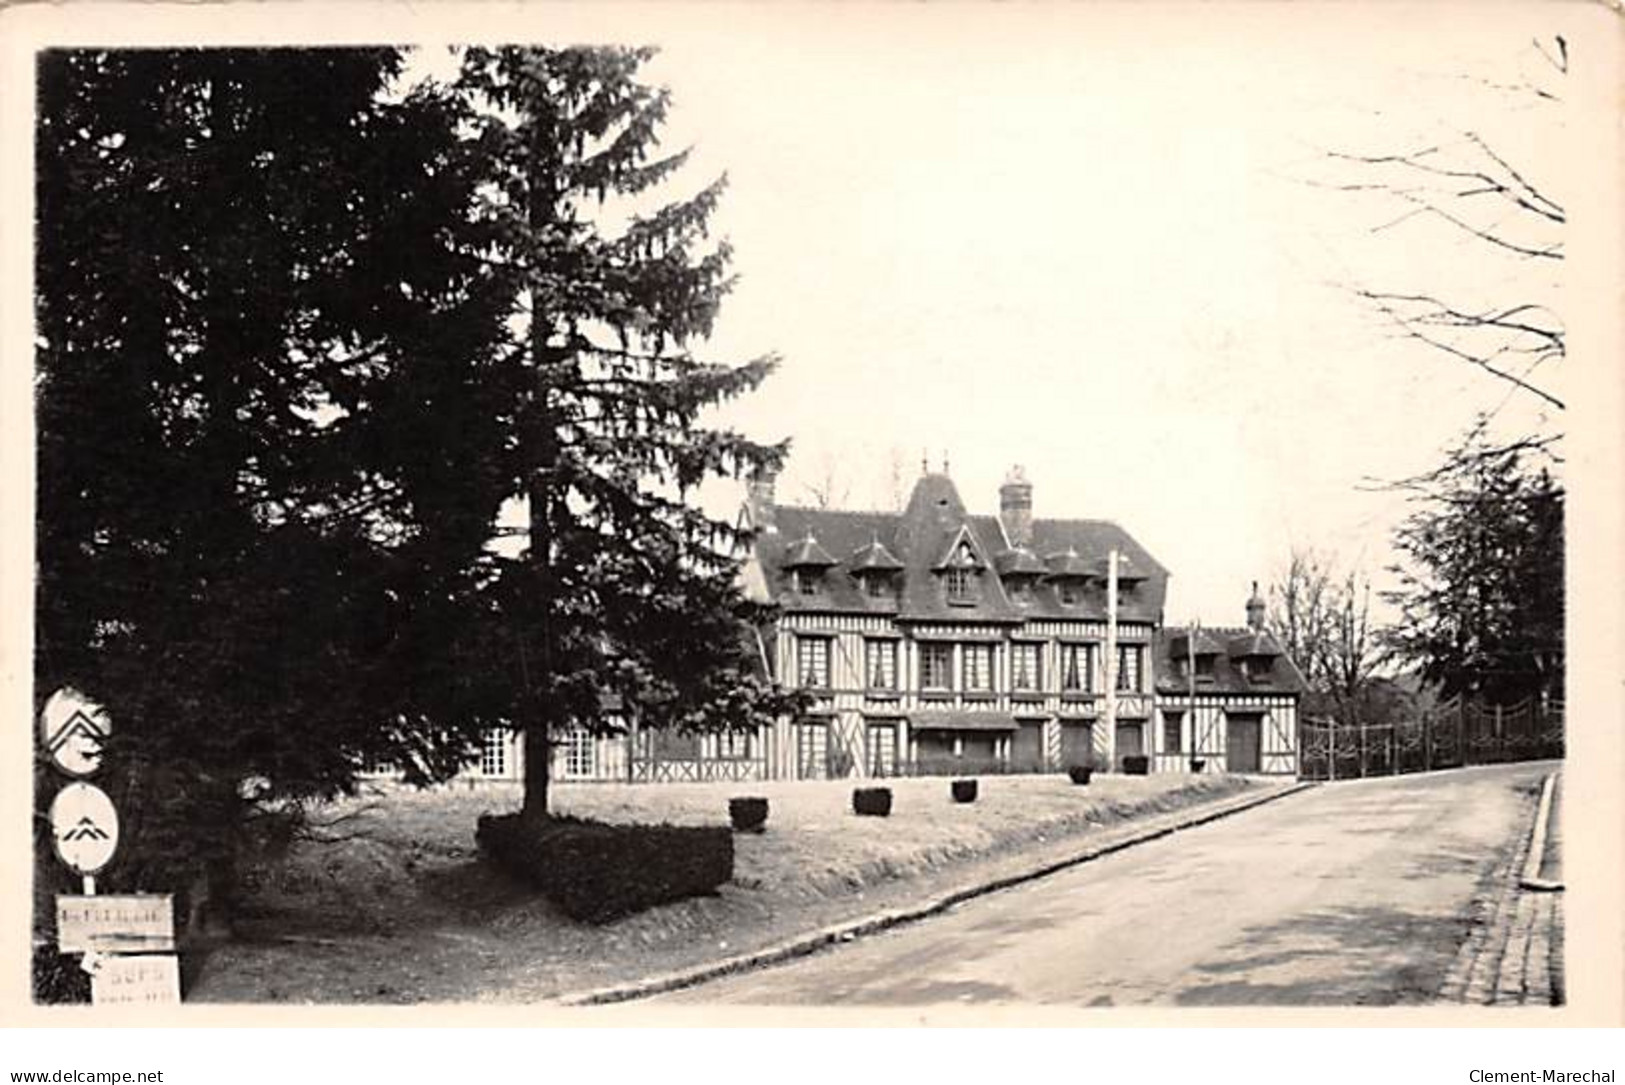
1352	894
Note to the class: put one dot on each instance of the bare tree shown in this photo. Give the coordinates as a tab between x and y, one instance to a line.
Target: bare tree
827	484
1322	618
1469	185
897	481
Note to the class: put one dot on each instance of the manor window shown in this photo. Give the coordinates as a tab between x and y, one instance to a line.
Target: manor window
1025	667
578	753
936	666
494	753
1130	668
1076	672
977	667
812	663
880	663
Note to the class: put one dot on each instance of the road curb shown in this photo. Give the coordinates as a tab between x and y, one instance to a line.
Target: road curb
1531	878
805	945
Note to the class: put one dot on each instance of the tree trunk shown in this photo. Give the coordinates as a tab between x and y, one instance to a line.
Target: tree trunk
541	213
538	770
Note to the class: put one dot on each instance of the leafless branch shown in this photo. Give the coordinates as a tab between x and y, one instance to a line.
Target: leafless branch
1465	459
1414	315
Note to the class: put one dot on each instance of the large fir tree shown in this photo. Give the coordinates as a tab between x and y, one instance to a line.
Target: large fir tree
628	592
264	384
1481	582
301	339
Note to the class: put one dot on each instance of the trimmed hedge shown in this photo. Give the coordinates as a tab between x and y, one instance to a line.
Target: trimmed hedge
1137	765
748	815
963	790
597	872
1198	764
874	802
1080	773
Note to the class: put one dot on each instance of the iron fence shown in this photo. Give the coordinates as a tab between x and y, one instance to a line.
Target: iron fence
1458	732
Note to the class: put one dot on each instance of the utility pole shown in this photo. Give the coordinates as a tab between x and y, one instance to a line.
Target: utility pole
1190	668
1111	653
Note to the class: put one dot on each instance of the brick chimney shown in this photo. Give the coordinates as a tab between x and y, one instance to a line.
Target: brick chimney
1016	507
760	500
1255	610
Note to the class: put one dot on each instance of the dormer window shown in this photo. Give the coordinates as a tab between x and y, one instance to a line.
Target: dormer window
1019	568
958	569
1070	593
806	562
876	569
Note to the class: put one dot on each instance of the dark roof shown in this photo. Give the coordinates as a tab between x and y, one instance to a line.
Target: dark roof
1253	642
873	558
1206	644
1068	563
962	720
805	552
1126	569
1283	675
922	534
1018	561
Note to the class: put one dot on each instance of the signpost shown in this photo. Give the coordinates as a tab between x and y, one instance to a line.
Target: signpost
127	941
136	981
116	924
73	729
84	828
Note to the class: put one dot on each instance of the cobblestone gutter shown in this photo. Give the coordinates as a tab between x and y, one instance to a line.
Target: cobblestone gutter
1514	953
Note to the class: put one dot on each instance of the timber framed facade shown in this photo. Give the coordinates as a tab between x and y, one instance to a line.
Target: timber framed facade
933	641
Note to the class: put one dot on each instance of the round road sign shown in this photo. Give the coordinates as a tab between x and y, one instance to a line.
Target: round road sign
73	727
84	827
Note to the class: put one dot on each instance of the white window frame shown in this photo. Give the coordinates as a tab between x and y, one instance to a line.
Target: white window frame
885	653
580	752
1034	674
1131	668
976	677
494	752
1084	657
812	657
930	648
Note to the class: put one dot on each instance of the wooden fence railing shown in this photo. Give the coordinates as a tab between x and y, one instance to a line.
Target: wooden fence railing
1456	733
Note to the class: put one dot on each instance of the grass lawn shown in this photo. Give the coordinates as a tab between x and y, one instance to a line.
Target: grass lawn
403	909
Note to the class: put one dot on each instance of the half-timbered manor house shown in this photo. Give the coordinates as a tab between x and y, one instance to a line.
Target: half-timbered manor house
935	640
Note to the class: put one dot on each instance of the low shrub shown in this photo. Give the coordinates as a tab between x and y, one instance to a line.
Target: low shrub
1080	774
748	815
1198	764
963	790
597	872
1136	765
58	977
874	802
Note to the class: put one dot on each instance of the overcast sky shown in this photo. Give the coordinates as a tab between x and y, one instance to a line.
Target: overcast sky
1094	240
1085	240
